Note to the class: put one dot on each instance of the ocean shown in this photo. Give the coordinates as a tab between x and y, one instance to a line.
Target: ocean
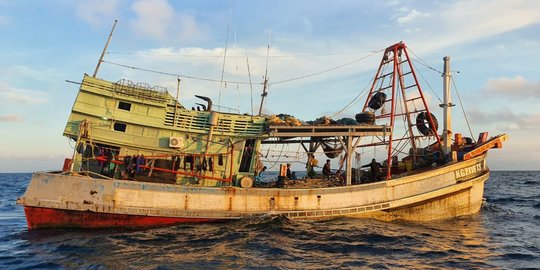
505	234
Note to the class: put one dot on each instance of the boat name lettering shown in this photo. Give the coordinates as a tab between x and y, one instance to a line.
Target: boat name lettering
469	170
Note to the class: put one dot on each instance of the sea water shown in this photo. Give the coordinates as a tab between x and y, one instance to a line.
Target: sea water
505	234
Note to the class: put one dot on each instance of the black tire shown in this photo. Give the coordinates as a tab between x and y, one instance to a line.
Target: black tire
424	126
377	101
365	118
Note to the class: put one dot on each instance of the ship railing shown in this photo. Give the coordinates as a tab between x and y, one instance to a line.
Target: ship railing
140	90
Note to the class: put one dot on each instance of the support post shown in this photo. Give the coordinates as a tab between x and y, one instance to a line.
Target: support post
447	107
349	160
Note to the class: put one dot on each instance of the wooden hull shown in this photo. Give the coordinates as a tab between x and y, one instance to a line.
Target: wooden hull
55	200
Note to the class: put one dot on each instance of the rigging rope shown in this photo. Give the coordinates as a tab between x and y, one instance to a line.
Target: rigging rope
462	108
238	82
221	54
174	74
354	100
330	69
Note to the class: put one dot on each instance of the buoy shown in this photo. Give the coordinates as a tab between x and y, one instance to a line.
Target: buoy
246	182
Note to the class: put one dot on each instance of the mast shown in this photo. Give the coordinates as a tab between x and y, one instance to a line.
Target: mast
176	101
104	49
265	86
447	107
396	82
264	94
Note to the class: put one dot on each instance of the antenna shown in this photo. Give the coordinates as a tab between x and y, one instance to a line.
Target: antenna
224	58
176	101
265	86
250	84
104	49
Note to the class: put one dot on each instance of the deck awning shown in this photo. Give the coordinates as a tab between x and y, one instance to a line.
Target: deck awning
289	132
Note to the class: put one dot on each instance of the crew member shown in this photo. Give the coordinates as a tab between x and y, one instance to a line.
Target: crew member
327	171
375	169
288	170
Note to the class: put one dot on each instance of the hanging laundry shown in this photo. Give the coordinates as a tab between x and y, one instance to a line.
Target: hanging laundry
210	164
220	160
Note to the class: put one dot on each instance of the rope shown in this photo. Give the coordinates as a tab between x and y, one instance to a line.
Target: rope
174	74
239	82
426	82
354	100
462	108
221	54
422	62
330	69
277	160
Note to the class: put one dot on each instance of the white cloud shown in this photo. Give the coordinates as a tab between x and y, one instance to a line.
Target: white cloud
158	19
153	17
461	22
98	12
411	16
513	87
21	96
480	18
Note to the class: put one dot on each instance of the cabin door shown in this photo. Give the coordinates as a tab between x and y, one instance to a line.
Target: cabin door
247	155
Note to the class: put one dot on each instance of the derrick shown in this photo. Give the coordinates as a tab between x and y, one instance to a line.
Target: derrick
396	93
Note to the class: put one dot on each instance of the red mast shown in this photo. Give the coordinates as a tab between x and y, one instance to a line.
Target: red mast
399	85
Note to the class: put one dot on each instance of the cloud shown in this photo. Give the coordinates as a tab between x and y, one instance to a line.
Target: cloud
159	20
98	12
411	16
11	118
505	119
513	87
153	17
459	22
20	96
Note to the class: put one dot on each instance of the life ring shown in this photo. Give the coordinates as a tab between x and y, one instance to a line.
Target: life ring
377	101
424	126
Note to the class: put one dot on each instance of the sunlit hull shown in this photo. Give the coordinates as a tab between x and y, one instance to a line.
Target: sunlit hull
56	200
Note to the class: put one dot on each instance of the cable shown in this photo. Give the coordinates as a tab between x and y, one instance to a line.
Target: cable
327	70
462	108
355	100
221	54
174	74
238	82
426	82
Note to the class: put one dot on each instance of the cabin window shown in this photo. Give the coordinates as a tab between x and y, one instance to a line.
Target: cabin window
124	106
120	127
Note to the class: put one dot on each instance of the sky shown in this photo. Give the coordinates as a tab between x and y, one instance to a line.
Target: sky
319	55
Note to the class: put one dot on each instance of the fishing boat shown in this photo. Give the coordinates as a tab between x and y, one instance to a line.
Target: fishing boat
143	159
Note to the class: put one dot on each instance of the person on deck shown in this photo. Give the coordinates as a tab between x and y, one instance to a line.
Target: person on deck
375	169
258	176
327	171
289	171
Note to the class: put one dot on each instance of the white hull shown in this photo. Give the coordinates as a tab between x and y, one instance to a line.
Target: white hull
449	191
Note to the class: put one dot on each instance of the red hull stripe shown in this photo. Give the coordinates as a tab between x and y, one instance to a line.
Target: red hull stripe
38	217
